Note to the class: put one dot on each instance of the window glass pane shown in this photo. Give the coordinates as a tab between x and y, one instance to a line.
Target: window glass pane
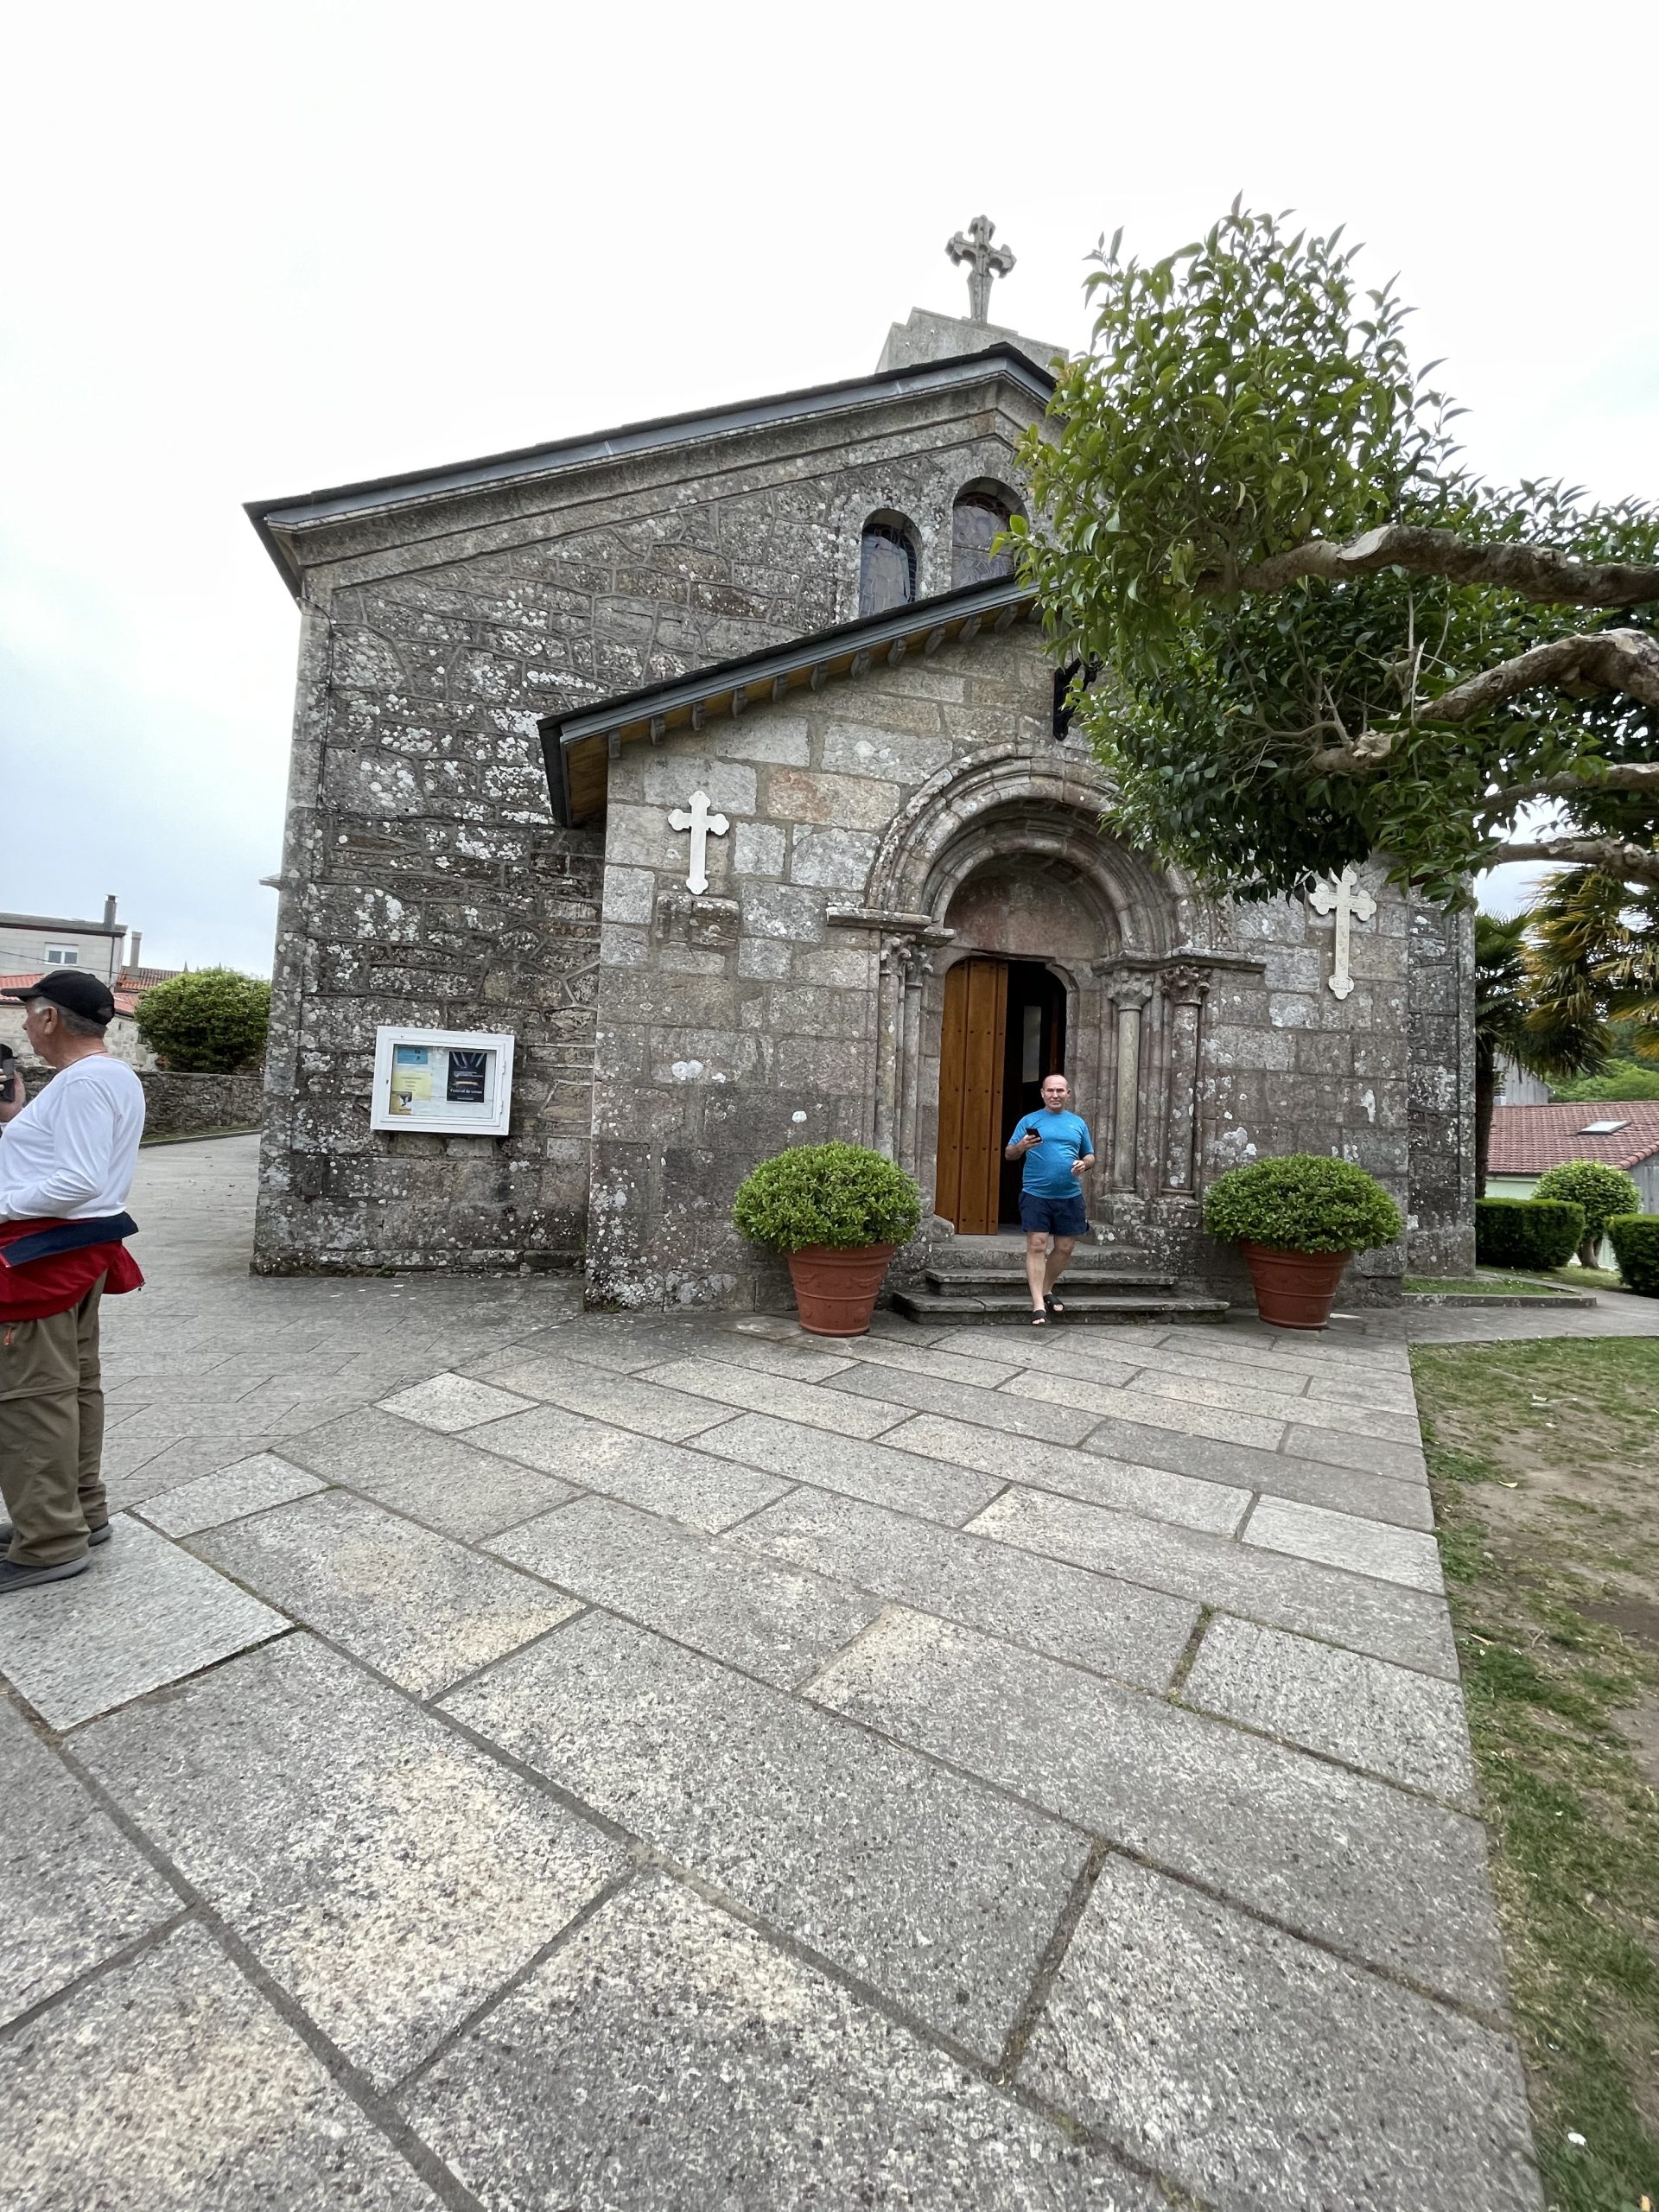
886	571
977	521
62	955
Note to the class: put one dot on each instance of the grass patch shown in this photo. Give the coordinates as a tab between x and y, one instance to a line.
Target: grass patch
1544	1460
1505	1286
197	1136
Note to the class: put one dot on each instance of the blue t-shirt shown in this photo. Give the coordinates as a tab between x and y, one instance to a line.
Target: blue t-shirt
1048	1165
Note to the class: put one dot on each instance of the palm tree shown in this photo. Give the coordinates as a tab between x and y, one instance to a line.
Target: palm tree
1594	959
1553	1037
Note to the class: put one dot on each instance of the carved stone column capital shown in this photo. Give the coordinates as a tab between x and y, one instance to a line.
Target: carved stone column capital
1128	991
1183	984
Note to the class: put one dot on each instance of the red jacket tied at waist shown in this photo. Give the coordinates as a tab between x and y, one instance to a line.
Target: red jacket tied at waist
61	1279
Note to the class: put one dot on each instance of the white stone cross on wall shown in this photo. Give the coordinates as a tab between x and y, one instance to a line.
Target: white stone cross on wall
702	824
984	261
1346	897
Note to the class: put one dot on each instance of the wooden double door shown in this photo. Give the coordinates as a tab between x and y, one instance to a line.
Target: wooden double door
1004	1030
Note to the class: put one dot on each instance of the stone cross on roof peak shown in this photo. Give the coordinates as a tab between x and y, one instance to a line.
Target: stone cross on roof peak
984	261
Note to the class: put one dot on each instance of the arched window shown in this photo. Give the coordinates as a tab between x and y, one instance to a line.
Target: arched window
981	514
887	564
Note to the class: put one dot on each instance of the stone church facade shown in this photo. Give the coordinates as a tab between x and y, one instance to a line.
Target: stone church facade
516	678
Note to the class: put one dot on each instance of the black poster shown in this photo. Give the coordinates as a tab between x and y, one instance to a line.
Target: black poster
466	1086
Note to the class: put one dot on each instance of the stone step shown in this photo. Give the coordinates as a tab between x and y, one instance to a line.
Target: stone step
967	1281
1092	1306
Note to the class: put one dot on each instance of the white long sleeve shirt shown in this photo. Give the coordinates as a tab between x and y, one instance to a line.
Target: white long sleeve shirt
70	1154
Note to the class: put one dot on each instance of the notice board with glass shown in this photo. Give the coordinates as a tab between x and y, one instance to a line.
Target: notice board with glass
442	1082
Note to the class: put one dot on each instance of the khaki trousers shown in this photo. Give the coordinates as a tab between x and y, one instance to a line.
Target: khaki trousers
52	1432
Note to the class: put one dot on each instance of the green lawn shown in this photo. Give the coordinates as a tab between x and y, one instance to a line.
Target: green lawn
1508	1286
1544	1460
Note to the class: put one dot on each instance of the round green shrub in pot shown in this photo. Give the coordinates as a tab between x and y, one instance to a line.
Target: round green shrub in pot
1299	1220
1600	1190
836	1212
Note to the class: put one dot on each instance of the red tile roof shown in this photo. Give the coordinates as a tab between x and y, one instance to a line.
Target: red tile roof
1528	1139
127	990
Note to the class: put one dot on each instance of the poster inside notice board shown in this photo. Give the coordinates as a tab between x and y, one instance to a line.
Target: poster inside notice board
448	1082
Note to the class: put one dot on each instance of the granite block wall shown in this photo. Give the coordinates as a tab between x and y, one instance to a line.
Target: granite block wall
425	879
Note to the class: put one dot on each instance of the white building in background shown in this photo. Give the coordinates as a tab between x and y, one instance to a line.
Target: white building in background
31	946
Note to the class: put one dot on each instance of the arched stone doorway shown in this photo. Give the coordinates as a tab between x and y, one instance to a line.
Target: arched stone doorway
1001	876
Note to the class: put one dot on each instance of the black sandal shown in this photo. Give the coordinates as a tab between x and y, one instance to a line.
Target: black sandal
1039	1320
1052	1304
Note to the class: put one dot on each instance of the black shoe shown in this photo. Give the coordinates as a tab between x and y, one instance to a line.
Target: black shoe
100	1536
25	1577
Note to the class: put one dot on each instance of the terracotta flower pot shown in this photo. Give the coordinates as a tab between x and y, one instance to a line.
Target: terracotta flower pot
1294	1290
835	1292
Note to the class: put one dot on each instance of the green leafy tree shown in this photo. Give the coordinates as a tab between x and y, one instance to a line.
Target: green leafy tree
1620	1081
1595	963
1322	635
210	1022
1548	1041
1601	1191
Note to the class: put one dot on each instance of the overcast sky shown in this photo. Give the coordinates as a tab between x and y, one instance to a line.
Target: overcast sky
254	249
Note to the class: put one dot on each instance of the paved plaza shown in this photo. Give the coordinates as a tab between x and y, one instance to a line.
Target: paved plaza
514	1759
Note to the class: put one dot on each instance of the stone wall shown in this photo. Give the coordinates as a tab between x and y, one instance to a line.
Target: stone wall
183	1105
784	1006
425	880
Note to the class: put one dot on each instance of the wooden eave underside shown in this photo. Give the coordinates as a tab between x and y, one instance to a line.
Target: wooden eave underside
579	746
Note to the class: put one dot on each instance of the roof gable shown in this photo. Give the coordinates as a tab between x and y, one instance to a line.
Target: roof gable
272	519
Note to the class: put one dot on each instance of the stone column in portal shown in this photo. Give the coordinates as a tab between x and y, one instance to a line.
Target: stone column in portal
1130	994
1185	988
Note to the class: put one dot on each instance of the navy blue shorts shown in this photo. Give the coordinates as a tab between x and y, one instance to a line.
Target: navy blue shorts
1067	1216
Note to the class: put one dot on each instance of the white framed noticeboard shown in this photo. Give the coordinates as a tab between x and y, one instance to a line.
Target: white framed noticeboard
442	1082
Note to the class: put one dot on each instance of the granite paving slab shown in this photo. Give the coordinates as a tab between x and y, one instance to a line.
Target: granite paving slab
947	1367
417	1606
1262	2073
1275	1404
1346	1539
794	1362
1392	1721
1383	1875
1345	1490
1382	1455
432	1478
815	1405
389	1875
1096	1400
1000	1411
933	1890
623	1399
169	2084
248	1486
573	2091
453	1401
144	1614
1124	1488
1386	1619
74	1890
877	1471
623	1347
1113	1627
720	1599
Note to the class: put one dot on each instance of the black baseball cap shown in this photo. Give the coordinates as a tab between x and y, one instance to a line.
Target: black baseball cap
72	989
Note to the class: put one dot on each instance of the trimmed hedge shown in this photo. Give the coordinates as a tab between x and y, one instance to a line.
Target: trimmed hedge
1636	1247
839	1195
1527	1233
1302	1202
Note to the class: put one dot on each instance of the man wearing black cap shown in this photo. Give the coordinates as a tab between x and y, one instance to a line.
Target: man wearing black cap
66	1162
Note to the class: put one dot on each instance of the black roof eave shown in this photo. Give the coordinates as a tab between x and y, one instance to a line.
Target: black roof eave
917	618
266	515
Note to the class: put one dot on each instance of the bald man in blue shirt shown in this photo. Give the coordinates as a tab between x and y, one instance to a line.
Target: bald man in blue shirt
1058	1152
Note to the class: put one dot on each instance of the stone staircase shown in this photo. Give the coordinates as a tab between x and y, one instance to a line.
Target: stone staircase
984	1279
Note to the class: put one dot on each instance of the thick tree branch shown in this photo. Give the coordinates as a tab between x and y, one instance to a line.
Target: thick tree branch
1594	776
1614	856
1598	660
1535	572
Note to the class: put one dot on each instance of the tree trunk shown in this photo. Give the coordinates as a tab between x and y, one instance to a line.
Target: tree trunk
1485	1099
1590	1251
